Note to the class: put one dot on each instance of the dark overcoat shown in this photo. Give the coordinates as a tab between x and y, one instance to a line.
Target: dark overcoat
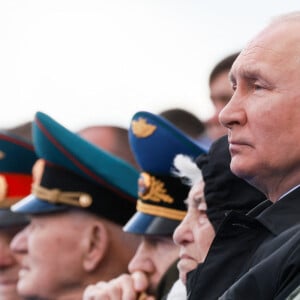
256	256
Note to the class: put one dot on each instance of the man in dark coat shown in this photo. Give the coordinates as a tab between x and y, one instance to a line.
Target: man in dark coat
257	256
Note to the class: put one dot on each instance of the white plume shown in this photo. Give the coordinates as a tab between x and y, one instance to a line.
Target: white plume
186	168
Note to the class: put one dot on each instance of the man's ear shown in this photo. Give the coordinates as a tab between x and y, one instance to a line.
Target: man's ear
96	245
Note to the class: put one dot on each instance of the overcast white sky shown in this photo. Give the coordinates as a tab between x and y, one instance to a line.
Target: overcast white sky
89	62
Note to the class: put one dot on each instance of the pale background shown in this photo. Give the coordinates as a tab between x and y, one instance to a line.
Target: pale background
89	62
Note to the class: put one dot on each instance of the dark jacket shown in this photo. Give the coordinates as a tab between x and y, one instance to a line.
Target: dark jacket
253	257
167	281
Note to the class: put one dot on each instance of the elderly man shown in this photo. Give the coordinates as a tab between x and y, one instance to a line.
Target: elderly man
81	197
257	256
215	191
17	157
160	208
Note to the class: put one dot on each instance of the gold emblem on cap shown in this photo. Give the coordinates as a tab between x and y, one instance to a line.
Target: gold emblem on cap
151	188
141	128
2	154
85	200
160	211
57	196
3	188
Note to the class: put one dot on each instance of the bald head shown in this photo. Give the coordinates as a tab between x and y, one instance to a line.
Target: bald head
112	139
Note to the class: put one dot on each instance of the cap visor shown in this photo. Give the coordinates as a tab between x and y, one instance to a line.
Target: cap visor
34	205
10	219
142	223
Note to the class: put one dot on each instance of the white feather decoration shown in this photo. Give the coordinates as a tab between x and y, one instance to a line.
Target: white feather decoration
186	168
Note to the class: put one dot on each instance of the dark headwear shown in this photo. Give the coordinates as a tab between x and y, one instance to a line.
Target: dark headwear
155	142
74	173
223	190
17	157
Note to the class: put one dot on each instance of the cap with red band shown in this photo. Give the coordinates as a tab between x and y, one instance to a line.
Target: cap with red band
13	187
17	157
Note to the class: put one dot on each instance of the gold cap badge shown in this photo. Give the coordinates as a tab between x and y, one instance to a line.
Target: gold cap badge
141	128
151	188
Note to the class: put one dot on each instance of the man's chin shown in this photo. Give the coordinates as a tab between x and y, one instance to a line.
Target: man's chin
9	291
24	289
238	167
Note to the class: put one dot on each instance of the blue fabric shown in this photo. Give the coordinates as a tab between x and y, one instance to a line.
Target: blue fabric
18	154
155	142
74	164
155	153
32	205
58	145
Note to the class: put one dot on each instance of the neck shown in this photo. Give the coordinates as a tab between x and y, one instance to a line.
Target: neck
276	188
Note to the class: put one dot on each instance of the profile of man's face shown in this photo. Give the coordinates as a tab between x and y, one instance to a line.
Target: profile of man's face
153	257
195	233
50	254
262	117
9	267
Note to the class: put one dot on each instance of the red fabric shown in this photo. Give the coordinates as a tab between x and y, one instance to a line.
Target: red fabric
18	185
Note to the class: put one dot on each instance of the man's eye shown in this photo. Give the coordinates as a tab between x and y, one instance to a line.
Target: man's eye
257	87
198	200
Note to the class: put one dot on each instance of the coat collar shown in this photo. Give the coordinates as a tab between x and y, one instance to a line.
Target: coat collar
281	215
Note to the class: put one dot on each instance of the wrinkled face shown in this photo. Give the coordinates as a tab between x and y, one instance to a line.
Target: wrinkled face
195	233
50	255
263	116
9	267
153	257
220	94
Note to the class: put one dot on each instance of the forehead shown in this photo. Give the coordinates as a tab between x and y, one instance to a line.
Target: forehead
198	187
157	240
52	218
277	47
196	190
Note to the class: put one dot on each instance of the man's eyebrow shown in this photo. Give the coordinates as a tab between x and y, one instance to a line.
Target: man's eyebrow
247	72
